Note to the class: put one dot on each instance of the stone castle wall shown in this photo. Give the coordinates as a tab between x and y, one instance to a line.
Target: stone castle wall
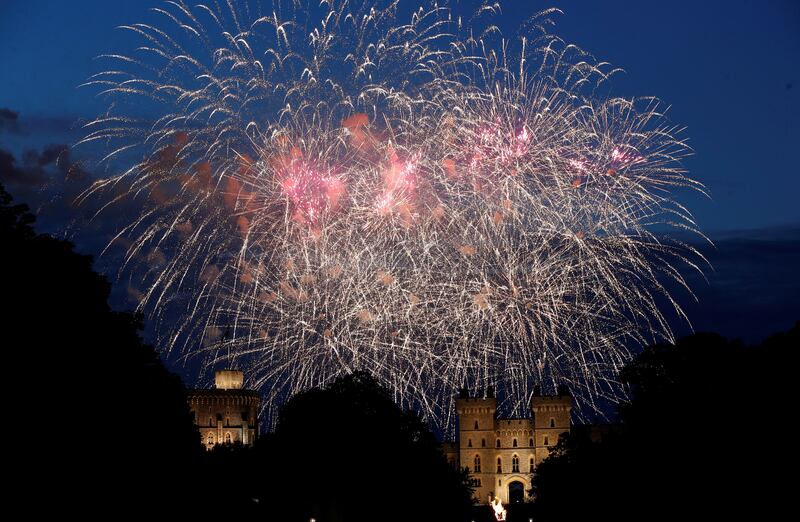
517	443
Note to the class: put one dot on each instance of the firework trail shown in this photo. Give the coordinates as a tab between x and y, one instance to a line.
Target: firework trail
347	186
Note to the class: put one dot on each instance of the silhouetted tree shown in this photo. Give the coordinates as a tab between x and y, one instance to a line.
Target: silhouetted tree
348	453
103	423
704	436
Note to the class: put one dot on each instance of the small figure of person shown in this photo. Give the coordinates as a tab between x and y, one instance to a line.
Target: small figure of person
499	511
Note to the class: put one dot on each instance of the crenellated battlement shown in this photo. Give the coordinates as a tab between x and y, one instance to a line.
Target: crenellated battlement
227	413
502	453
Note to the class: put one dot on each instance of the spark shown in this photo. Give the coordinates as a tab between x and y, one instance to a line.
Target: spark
343	188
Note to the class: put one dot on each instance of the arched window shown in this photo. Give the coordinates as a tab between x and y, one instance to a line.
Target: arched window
483	443
515	464
477	463
498	443
530	443
499	465
210	421
228	437
531	464
545	441
210	439
514	443
469	443
476	425
552	422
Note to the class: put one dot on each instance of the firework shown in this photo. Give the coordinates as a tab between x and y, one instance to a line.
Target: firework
348	187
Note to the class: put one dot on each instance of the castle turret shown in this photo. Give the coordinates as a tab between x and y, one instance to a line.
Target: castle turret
502	453
228	379
476	436
227	413
475	415
551	418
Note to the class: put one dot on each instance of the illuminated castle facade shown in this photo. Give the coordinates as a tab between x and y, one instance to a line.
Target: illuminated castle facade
502	454
226	413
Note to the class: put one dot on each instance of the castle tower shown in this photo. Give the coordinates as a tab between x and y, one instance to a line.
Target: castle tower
476	436
502	454
226	413
551	418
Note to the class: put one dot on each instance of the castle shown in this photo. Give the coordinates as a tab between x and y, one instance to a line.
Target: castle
502	453
226	413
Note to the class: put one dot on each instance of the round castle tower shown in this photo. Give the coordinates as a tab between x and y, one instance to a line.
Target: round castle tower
227	413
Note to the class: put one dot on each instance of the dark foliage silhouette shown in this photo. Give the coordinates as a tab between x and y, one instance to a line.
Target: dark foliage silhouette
103	424
704	437
379	462
112	430
346	453
103	428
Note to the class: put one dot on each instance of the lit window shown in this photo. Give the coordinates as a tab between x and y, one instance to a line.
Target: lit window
498	443
477	464
515	464
514	443
499	465
483	443
210	439
228	438
531	464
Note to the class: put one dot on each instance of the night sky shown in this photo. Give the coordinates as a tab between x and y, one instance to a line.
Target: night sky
730	70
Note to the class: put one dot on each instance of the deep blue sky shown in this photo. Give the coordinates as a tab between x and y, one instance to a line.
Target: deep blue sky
730	70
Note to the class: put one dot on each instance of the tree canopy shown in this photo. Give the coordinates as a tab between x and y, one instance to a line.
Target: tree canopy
347	452
103	424
705	435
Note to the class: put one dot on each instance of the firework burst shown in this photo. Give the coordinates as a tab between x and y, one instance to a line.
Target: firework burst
347	187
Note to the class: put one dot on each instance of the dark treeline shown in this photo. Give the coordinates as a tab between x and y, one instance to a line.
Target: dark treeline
346	453
705	436
99	423
104	429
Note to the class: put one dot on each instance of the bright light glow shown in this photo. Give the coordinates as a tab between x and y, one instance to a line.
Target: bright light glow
416	197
